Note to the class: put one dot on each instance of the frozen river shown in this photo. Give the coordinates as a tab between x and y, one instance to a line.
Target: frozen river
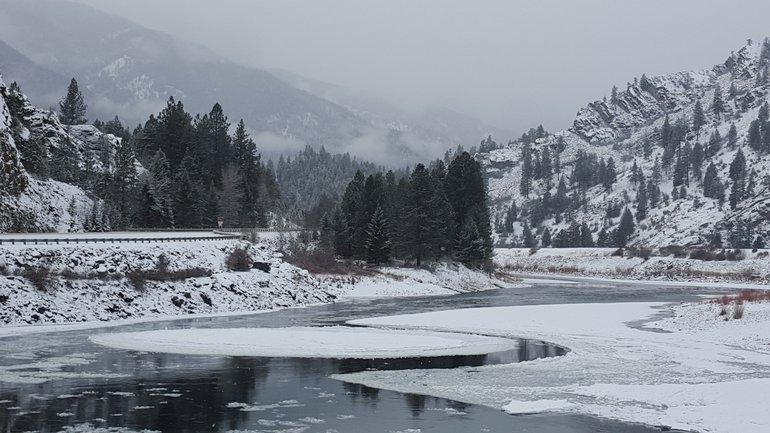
60	381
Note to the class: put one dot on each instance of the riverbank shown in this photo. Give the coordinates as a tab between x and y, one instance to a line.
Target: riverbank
694	370
108	282
657	265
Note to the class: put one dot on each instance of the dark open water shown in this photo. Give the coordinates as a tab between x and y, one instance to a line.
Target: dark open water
85	387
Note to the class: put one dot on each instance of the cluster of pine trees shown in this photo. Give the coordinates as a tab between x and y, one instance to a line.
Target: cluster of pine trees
436	212
176	170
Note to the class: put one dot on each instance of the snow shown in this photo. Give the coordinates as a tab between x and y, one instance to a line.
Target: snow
112	235
753	271
101	292
443	279
691	371
327	342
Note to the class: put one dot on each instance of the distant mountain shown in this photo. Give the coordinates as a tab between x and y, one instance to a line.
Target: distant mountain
663	134
131	71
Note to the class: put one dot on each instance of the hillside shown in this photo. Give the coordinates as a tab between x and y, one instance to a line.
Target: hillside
668	127
39	203
131	71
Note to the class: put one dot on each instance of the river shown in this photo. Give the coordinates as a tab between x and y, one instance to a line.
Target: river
60	381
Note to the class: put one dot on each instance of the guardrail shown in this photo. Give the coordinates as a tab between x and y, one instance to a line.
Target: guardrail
58	241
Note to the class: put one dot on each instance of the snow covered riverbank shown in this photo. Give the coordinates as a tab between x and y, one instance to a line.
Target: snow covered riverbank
91	282
601	262
690	371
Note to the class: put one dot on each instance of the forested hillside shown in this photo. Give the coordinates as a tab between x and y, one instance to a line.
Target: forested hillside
174	171
682	158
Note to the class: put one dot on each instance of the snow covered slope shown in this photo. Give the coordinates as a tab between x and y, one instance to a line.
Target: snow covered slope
30	203
90	283
630	128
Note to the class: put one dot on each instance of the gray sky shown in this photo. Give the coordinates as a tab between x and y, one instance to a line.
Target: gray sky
512	63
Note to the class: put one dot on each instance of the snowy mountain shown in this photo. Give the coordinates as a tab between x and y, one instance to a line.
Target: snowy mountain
40	204
662	134
131	71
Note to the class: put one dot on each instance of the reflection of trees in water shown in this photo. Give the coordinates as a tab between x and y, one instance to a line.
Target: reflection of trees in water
368	396
141	403
416	403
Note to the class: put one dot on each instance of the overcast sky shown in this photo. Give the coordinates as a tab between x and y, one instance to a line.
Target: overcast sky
512	63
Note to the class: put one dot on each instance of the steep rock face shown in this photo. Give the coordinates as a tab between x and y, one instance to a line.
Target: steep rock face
629	129
13	179
41	204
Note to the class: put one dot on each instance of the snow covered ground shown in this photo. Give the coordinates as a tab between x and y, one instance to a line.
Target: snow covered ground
693	370
106	294
445	279
600	262
326	342
113	235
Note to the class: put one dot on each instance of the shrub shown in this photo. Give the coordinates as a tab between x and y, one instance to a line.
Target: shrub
735	255
723	310
703	254
618	253
738	311
641	252
238	260
162	265
677	251
317	261
137	279
39	276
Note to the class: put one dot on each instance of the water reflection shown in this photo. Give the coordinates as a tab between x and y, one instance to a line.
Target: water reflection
178	393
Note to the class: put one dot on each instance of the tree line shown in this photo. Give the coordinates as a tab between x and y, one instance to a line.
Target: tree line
436	212
175	170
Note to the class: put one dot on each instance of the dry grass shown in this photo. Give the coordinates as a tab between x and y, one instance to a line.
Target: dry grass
738	311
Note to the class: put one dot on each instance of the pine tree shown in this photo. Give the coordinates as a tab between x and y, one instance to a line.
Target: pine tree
72	107
759	243
698	118
754	139
421	226
586	237
527	239
510	217
525	186
614	95
603	239
732	137
470	246
717	104
714	144
627	226
641	202
545	238
696	161
610	175
378	243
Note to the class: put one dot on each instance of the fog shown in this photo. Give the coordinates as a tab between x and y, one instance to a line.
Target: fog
512	63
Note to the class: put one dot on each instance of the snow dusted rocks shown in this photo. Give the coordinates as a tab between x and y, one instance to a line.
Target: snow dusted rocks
88	283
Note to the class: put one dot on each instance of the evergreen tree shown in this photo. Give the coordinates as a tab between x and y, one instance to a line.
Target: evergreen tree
759	243
510	217
738	176
627	226
72	107
754	139
586	237
696	161
421	226
714	144
709	181
603	239
545	238
717	104
525	186
470	246
378	238
641	202
527	239
614	95
341	234
698	118
732	137
610	175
